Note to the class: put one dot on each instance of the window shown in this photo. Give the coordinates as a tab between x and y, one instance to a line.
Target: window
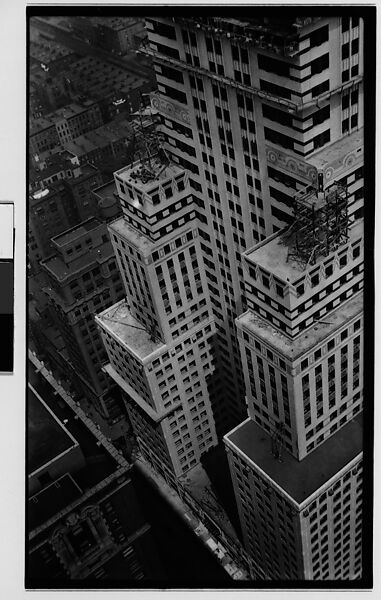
320	64
176	94
319	36
320	89
345	51
273	65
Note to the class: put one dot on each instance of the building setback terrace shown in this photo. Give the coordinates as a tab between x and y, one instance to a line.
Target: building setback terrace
123	326
299	479
273	255
146	176
133	236
315	335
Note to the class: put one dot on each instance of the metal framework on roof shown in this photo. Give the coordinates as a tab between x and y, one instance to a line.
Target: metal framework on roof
320	224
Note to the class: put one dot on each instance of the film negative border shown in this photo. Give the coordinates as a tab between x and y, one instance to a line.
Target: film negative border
7	237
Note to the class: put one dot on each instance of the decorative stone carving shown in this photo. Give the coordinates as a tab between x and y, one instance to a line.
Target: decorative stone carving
337	168
291	164
172	109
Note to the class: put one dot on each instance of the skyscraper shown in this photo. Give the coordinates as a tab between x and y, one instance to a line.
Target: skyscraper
296	462
262	126
243	104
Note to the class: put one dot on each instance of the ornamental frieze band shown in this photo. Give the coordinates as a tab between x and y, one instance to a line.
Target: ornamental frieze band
291	164
171	109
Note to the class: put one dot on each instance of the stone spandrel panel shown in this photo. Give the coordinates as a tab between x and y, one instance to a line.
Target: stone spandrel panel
170	108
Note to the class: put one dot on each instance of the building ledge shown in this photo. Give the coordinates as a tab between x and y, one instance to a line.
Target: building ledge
118	321
337	151
151	412
273	255
316	334
133	236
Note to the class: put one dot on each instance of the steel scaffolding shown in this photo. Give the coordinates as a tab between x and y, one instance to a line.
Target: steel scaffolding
320	224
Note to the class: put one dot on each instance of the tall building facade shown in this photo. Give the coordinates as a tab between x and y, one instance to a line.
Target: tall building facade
245	107
296	462
159	340
82	278
262	120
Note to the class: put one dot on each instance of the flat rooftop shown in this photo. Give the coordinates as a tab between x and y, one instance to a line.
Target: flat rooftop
70	110
52	499
46	193
61	270
70	235
140	241
343	146
313	336
100	78
272	255
300	479
107	190
118	23
100	137
47	437
39	125
46	51
56	166
146	179
119	321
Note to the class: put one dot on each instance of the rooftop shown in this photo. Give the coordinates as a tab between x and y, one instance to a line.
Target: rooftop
46	194
47	437
119	321
70	235
312	337
117	23
137	239
59	164
105	191
339	149
272	255
52	499
100	137
61	270
100	462
70	110
146	177
40	124
46	51
299	479
91	75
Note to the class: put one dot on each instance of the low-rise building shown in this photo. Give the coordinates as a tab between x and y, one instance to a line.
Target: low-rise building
107	144
75	119
84	521
43	137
